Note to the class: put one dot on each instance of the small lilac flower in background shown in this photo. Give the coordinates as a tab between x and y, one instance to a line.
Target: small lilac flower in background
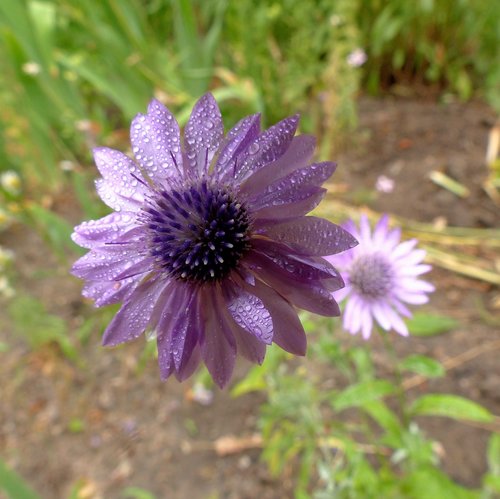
208	248
357	58
384	184
381	275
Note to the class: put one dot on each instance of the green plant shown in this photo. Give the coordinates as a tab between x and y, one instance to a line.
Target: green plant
360	438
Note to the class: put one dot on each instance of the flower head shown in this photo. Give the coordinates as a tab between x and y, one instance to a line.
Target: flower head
381	275
208	248
357	58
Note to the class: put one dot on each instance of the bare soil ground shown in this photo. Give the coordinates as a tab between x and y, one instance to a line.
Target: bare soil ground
137	431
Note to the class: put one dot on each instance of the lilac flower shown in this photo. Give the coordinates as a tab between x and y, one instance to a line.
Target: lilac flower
381	274
208	248
384	184
357	58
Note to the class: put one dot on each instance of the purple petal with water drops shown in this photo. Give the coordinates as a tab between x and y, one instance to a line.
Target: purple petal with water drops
312	296
247	344
156	143
108	229
249	312
109	292
203	134
298	154
312	236
107	262
121	187
268	147
118	168
135	314
178	330
272	215
294	187
218	345
288	332
238	139
297	266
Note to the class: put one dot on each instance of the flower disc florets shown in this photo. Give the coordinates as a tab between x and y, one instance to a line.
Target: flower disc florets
198	233
371	275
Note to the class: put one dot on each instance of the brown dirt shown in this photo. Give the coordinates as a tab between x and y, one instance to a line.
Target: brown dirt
140	432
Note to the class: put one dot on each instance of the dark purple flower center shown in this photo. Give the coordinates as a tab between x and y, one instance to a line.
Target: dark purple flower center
371	275
198	233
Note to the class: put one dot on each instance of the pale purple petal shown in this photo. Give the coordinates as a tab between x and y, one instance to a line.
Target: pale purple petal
380	231
396	322
379	311
412	298
366	323
403	249
364	230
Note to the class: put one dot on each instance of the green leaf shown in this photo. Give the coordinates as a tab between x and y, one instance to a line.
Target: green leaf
254	381
14	485
451	406
429	482
137	493
423	324
361	393
423	365
493	454
385	417
54	228
32	320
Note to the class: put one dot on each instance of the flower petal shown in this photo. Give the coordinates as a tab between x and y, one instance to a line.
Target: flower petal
312	295
295	186
121	187
288	331
109	292
135	314
156	143
237	141
178	331
312	236
108	229
268	147
107	262
249	312
271	215
298	154
296	266
218	346
203	134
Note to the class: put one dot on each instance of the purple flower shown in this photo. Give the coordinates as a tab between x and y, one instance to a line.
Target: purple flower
381	274
208	248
